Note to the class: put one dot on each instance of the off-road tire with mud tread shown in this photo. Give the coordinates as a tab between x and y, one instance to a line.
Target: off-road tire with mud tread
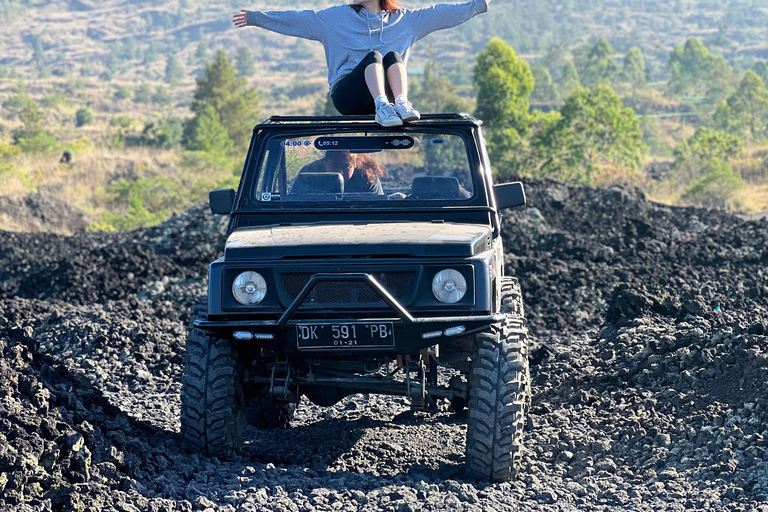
267	412
212	411
498	397
512	304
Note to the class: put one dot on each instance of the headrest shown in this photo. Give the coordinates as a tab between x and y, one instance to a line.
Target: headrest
318	183
435	187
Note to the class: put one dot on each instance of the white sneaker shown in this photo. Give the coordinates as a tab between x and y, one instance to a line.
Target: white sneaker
387	116
406	111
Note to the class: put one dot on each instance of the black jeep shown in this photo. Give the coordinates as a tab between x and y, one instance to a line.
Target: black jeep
360	259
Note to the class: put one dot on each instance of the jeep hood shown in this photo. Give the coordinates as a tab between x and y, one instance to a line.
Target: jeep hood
368	239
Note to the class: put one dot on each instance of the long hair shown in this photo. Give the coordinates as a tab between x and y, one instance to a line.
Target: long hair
369	168
384	5
365	165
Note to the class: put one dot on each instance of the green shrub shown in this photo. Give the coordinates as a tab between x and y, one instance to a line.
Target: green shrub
9	151
148	201
122	93
136	217
83	117
157	193
717	188
35	141
165	133
120	121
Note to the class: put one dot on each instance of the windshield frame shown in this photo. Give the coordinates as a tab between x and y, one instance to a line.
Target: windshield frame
248	202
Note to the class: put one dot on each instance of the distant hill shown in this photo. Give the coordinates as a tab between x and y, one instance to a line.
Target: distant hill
131	39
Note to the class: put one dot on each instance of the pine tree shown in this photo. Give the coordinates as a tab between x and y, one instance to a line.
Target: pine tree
633	71
244	62
600	67
173	71
569	80
236	104
543	89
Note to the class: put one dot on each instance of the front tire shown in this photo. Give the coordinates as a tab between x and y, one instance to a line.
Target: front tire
499	394
212	412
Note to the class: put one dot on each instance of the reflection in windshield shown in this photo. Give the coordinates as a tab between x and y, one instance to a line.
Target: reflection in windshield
353	167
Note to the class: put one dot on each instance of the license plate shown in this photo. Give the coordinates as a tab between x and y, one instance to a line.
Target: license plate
346	335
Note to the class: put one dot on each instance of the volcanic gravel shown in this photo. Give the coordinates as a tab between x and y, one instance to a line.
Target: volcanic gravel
649	370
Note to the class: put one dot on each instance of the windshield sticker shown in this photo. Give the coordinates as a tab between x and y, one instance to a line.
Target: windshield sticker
268	196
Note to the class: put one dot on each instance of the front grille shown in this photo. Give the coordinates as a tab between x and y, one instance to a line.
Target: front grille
347	292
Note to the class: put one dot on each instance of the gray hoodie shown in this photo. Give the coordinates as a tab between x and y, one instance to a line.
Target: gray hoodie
348	35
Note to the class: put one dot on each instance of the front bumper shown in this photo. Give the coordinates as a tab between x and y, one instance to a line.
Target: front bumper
411	334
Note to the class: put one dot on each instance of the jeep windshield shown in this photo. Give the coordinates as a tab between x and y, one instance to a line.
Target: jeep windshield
401	168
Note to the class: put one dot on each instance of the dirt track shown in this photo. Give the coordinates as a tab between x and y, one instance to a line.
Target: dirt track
649	376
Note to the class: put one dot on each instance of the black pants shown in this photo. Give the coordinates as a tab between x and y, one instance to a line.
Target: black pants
351	96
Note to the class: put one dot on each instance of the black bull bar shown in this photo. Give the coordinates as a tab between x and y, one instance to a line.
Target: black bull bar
408	328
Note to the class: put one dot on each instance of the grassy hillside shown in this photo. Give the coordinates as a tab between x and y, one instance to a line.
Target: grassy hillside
131	38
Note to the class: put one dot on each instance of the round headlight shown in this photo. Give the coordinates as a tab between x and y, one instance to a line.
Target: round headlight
449	286
249	288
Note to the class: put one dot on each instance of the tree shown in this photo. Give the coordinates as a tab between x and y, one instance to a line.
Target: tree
31	137
746	110
324	106
595	132
236	104
543	89
504	84
694	69
762	70
244	62
38	53
436	93
201	53
633	71
554	60
600	66
569	80
173	71
210	136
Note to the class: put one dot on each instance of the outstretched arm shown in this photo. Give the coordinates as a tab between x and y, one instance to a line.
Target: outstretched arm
304	24
442	16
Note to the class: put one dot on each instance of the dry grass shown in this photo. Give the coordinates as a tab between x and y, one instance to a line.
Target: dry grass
83	183
752	199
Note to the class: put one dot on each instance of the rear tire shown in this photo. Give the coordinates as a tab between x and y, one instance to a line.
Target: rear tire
212	412
499	394
267	412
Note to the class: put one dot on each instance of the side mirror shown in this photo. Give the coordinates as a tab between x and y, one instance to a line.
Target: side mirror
222	201
509	195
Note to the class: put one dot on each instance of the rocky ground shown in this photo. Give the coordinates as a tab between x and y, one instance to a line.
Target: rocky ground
649	369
